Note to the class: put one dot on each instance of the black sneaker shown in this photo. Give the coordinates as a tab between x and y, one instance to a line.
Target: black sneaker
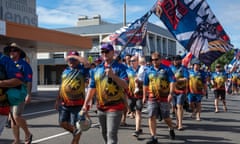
137	133
172	134
152	141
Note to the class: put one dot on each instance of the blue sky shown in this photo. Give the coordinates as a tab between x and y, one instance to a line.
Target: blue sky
64	13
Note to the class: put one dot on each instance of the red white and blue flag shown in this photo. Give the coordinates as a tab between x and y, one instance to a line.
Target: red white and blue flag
134	34
235	62
195	26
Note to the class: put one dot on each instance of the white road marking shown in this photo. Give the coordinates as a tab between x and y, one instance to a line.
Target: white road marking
94	125
34	113
50	137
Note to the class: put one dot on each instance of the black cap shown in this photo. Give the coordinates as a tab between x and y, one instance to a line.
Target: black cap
177	57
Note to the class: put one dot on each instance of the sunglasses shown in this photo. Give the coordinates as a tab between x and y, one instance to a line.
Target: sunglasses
132	60
156	59
72	59
14	50
105	51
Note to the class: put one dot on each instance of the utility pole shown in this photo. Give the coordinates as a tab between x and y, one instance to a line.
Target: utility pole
124	13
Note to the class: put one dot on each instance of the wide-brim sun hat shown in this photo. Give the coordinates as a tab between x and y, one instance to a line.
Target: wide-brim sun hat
7	49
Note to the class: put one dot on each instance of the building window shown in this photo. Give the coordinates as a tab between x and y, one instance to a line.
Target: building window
56	56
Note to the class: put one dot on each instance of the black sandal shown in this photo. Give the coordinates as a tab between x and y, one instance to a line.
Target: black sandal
29	139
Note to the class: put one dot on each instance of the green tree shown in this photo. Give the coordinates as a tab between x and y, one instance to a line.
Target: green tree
224	59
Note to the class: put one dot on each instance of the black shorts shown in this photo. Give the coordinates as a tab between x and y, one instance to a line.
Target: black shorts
220	94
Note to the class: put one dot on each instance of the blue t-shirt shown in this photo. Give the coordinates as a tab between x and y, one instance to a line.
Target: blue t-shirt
180	72
25	69
72	90
197	80
8	70
158	81
219	79
109	93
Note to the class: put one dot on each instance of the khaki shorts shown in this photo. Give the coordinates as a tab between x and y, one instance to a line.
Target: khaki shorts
155	108
18	109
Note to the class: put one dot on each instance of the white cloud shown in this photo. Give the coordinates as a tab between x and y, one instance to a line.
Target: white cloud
67	12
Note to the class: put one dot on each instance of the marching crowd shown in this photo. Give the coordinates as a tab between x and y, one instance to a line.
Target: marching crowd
120	88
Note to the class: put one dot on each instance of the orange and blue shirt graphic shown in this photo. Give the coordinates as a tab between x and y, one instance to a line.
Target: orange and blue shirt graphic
131	85
109	94
197	79
179	73
72	90
235	77
219	79
158	82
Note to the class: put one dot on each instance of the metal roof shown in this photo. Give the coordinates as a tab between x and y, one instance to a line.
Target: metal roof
108	28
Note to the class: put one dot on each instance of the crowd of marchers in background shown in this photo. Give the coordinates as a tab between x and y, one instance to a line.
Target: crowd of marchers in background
120	87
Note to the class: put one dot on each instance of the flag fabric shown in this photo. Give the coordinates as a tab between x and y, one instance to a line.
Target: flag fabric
235	62
195	26
134	34
166	62
187	58
131	51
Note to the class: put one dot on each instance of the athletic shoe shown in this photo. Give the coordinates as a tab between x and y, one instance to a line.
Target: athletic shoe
137	133
153	141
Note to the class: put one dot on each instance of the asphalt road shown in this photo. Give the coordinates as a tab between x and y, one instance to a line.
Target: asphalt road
221	128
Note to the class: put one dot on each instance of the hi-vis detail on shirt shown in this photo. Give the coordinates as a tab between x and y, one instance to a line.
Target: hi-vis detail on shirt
195	83
73	88
180	84
108	92
220	81
159	84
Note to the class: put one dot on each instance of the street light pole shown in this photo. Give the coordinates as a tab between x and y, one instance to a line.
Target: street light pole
124	13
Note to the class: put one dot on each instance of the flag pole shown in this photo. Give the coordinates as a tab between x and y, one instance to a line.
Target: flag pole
130	39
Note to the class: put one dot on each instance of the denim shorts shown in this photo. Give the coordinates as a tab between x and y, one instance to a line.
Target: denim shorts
178	99
194	98
135	104
155	108
69	114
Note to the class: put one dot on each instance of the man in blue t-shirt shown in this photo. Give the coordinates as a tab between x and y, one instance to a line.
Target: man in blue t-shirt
10	76
18	55
158	85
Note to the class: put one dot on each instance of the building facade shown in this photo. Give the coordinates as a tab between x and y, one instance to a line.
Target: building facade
19	24
158	40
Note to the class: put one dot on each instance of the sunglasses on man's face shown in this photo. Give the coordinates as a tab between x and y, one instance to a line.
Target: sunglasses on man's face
105	51
72	59
156	59
14	50
133	60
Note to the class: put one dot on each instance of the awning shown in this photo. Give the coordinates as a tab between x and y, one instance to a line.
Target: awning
44	40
